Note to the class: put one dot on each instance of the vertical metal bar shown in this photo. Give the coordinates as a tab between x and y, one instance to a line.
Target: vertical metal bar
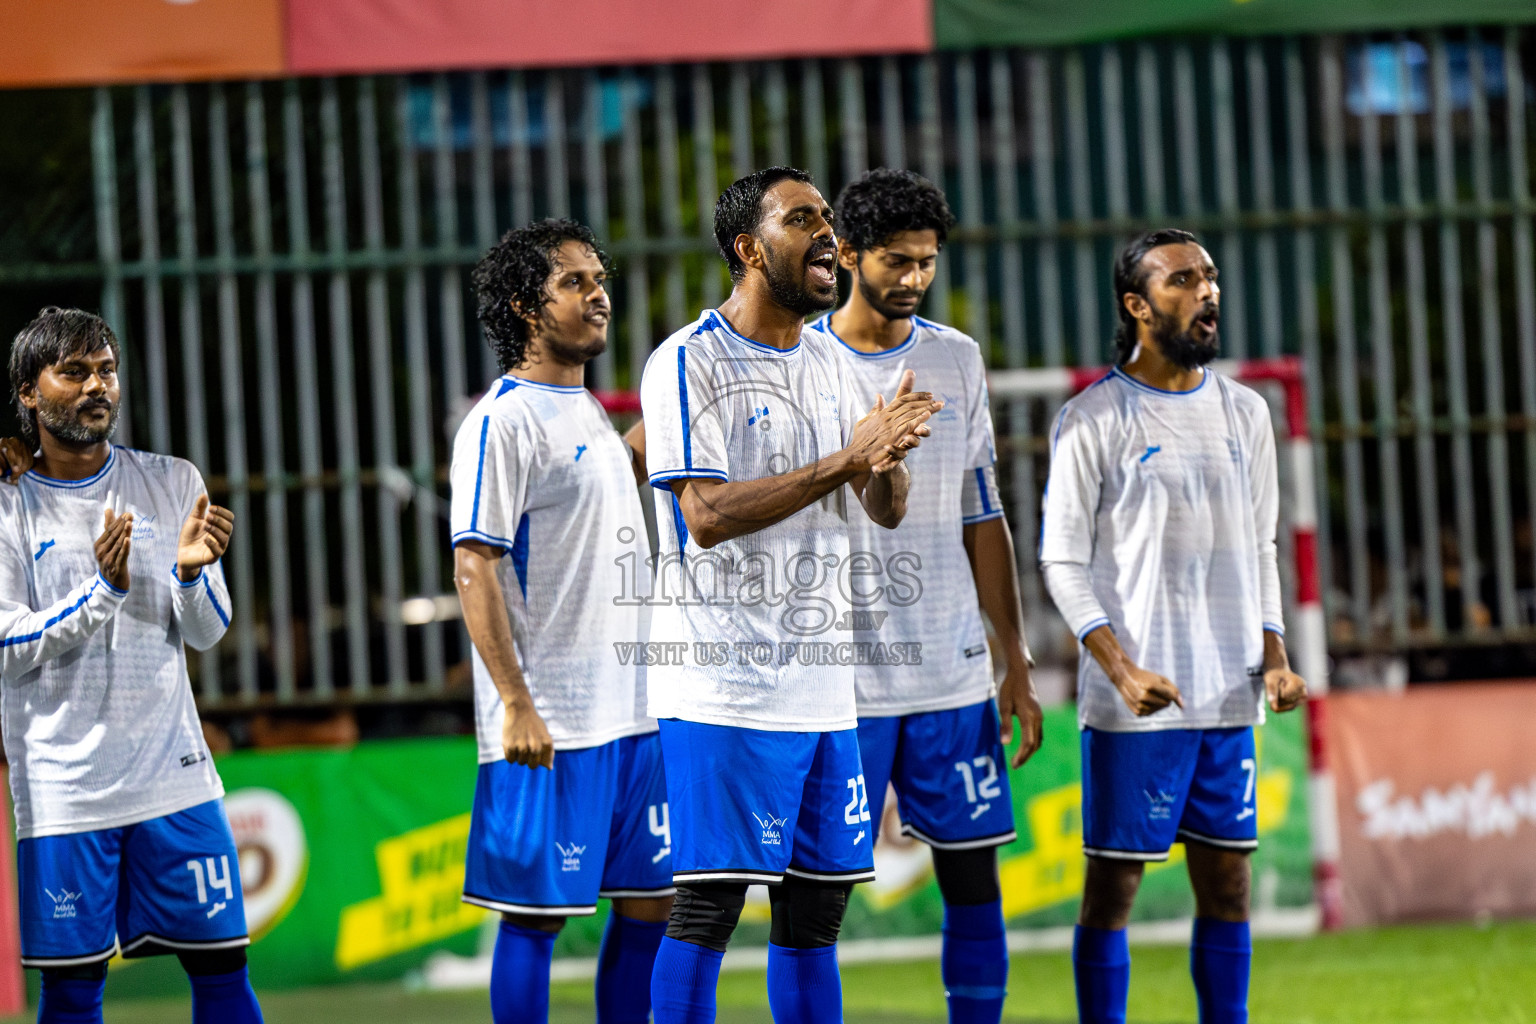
636	270
742	160
1345	343
344	393
231	383
422	430
776	102
1079	176
149	253
674	298
316	553
972	216
482	182
1305	264
1261	161
1525	265
931	136
1385	380
706	176
193	384
1005	169
893	127
855	134
446	214
1454	330
277	565
1112	90
813	109
595	179
557	180
1490	325
1043	154
520	160
1233	279
1187	130
1416	291
1149	92
108	238
381	356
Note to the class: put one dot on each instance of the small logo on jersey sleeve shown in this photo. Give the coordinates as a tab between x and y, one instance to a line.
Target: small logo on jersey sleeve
579	449
63	903
1152	449
772	829
570	856
42	549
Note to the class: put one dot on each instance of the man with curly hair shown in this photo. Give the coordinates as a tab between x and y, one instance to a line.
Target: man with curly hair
930	728
570	803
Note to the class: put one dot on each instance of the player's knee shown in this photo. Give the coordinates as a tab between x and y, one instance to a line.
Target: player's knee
806	914
86	972
1222	882
1109	890
967	878
535	922
706	914
200	963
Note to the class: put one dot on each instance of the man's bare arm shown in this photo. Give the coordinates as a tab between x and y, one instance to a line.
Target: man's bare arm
1144	692
635	438
524	736
989	546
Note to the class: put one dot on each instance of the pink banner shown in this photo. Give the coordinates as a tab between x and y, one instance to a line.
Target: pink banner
351	36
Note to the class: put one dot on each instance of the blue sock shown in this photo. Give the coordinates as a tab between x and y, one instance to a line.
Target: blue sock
70	1000
1101	963
224	998
683	982
624	966
804	986
520	975
974	962
1219	958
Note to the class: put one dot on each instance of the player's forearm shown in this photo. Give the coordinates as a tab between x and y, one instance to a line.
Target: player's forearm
1106	650
989	546
28	639
884	495
202	608
717	511
1275	655
490	629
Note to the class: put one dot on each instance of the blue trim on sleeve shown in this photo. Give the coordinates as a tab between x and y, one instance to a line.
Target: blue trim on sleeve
682	401
12	641
679	524
176	575
662	479
981	485
519	553
1275	628
474	513
108	584
208	589
984	517
1095	624
484	538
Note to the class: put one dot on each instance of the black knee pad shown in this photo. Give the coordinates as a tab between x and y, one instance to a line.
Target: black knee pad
806	914
967	878
705	914
85	972
202	962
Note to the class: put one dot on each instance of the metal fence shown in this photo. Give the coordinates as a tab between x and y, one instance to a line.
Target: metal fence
287	264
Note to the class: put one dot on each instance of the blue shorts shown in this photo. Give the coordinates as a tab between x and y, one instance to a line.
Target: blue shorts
159	886
749	805
1142	791
553	842
949	771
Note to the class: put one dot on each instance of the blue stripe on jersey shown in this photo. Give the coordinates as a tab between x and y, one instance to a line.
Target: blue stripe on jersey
12	641
981	485
679	523
520	554
507	384
1117	372
682	399
208	589
474	513
84	482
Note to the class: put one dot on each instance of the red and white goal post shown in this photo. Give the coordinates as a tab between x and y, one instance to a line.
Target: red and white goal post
1306	633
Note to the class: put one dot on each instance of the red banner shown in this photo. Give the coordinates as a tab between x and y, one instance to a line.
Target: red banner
1437	801
351	36
84	42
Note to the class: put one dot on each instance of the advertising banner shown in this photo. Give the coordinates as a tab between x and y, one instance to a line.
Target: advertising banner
1437	801
352	861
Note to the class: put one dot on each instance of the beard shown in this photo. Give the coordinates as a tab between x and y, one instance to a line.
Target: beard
64	421
1181	347
877	302
793	292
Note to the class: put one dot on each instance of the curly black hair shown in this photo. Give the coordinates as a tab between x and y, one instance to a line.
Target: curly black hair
515	272
739	210
53	335
880	204
1131	277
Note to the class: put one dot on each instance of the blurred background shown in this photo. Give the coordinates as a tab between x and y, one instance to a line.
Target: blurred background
276	203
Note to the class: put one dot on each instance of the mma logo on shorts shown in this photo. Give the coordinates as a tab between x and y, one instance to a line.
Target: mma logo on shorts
63	903
771	826
570	856
1162	805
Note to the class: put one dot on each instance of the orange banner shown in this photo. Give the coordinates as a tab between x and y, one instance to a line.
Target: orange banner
350	36
86	42
1437	801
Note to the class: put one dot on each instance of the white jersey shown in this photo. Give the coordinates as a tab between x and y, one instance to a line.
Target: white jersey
755	631
539	472
920	588
1159	522
100	726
